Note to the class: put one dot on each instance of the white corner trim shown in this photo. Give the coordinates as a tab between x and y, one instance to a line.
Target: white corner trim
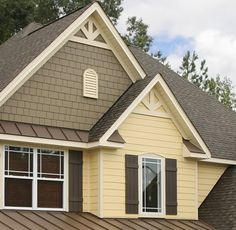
43	57
70	144
185	117
100	181
132	106
220	161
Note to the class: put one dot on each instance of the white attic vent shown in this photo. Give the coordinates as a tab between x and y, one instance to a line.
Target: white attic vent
90	83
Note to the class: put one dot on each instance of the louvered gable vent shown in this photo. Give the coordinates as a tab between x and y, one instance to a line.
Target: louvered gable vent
90	83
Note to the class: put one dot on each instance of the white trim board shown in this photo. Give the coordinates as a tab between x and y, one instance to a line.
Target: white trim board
70	144
157	79
42	58
220	161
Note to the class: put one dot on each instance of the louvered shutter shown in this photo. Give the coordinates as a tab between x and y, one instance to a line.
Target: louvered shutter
90	83
131	184
75	181
171	186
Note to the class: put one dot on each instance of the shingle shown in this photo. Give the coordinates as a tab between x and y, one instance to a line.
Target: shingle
118	108
215	123
219	208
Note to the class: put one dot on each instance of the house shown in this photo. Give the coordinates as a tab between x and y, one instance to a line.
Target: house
96	134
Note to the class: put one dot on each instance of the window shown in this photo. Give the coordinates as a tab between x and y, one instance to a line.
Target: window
152	185
34	178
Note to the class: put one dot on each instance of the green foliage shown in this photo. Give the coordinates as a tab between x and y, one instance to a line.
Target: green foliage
163	59
15	15
189	70
197	74
138	33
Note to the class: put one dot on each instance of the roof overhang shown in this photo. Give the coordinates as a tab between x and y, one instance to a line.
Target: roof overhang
130	64
61	143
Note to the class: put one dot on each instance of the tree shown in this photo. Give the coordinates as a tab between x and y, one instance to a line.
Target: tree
197	73
15	15
161	58
190	70
137	33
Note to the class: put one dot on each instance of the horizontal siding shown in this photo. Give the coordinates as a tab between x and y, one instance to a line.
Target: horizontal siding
146	134
208	175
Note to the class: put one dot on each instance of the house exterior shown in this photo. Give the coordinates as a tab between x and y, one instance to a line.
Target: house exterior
96	134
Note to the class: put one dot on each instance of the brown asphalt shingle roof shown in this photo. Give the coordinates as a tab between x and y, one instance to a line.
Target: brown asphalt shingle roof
21	49
85	221
219	208
215	123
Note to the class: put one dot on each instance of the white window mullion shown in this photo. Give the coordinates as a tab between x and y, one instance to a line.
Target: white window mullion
35	182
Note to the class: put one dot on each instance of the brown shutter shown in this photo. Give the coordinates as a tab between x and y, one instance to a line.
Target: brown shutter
75	181
131	184
171	187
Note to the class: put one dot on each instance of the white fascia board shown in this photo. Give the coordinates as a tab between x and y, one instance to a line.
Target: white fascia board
69	144
132	106
185	117
42	58
220	161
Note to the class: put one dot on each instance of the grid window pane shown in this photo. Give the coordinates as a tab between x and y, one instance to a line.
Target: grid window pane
18	192
50	194
18	161
50	164
151	186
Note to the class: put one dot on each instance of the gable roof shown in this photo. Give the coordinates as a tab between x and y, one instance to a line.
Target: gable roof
219	208
215	123
118	108
17	52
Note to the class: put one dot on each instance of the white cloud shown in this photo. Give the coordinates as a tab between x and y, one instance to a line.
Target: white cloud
210	24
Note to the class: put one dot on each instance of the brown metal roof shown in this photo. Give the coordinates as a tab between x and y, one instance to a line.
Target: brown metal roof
39	131
22	220
49	132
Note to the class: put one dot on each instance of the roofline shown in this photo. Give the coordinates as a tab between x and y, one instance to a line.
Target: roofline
48	52
132	106
62	143
157	79
220	161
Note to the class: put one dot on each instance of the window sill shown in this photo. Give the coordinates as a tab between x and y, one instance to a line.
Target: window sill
151	215
33	209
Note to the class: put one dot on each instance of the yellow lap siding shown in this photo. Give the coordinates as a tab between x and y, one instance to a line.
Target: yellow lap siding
208	175
146	134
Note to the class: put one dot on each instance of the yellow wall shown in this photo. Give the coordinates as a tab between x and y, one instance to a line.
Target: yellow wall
148	134
91	181
208	175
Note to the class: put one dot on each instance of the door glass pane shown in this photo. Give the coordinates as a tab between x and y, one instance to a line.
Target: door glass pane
50	194
151	177
18	192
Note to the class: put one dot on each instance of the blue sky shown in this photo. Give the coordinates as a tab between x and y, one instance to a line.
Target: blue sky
206	26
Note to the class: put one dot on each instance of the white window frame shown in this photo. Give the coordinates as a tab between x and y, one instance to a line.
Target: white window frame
35	179
163	184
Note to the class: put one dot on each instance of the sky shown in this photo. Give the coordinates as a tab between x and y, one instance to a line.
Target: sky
205	26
